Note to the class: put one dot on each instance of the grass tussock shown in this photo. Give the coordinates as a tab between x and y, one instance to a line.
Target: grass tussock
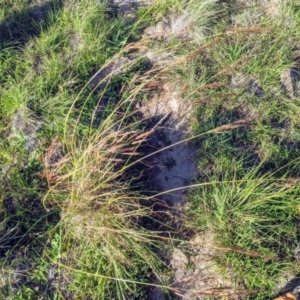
76	178
100	215
248	194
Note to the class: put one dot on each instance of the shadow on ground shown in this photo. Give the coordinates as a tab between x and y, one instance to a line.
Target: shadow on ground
24	230
293	286
20	26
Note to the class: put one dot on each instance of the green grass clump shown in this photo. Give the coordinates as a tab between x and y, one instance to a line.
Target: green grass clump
249	188
100	234
254	219
71	217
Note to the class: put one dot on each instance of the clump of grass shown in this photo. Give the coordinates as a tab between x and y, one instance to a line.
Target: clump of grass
253	218
249	188
100	228
96	246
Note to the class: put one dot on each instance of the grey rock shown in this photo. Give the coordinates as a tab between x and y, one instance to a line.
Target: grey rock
174	26
76	42
290	82
248	83
126	7
24	126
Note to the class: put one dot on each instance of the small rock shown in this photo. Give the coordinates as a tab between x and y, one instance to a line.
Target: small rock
38	65
173	26
126	7
23	124
179	262
76	42
297	252
250	84
254	88
290	82
272	7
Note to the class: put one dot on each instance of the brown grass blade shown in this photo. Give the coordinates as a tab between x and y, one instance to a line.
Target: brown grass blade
212	86
251	29
134	46
287	296
201	50
234	125
247	252
225	292
152	86
131	153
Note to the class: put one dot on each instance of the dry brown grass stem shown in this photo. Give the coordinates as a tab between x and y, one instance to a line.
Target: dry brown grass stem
212	86
246	252
134	46
251	29
234	125
201	50
224	292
